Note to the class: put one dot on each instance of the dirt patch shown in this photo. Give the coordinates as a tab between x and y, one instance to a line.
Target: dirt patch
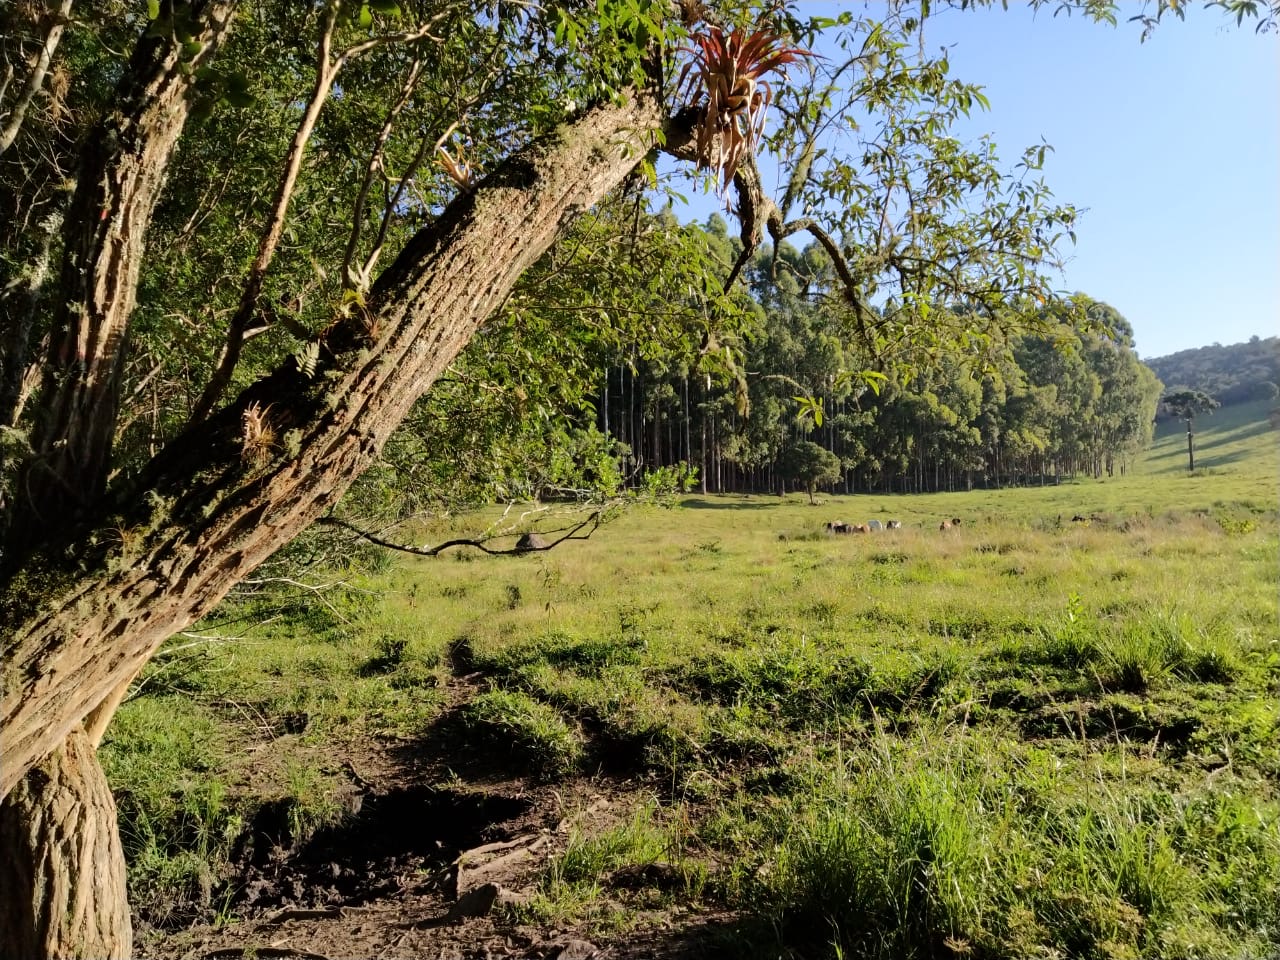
405	837
433	872
435	856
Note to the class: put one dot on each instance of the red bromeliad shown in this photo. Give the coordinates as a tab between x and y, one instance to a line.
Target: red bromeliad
729	68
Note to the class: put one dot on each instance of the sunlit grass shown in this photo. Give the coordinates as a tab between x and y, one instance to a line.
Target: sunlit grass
1029	736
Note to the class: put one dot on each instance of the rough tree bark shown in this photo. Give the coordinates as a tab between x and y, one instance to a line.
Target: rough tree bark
122	170
89	610
65	895
63	870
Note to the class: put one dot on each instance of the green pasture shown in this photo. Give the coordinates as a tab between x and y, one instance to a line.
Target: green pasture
1029	736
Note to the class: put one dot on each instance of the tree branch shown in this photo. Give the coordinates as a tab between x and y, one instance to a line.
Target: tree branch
350	280
596	520
327	71
38	72
200	518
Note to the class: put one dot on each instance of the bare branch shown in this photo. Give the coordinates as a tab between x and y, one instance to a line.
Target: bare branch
327	71
351	281
60	20
596	520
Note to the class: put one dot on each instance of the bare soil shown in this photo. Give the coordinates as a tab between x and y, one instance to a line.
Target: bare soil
417	869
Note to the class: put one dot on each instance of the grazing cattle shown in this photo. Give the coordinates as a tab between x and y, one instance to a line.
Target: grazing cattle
839	526
948	524
894	525
874	525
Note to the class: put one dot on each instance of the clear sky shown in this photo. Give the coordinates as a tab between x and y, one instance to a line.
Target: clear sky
1172	146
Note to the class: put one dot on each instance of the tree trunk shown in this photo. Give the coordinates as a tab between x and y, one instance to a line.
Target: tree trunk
122	170
61	864
89	611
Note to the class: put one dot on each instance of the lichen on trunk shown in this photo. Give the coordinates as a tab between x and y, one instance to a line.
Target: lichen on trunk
223	516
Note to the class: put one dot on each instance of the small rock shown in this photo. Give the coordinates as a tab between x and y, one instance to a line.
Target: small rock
476	902
574	950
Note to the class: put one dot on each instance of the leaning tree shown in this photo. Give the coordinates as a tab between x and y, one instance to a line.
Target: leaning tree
299	214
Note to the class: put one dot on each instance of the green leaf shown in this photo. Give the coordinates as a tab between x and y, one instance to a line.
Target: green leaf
153	9
365	18
236	91
873	379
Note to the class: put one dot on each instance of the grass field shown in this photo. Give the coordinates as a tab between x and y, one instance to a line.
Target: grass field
1025	737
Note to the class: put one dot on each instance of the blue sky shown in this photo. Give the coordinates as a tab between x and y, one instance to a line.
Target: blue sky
1172	145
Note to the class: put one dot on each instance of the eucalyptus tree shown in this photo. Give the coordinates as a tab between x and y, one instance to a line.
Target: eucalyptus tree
307	211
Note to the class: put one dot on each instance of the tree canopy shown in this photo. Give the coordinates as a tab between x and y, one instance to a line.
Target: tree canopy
1189	404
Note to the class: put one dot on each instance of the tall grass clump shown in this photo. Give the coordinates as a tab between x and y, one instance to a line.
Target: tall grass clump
526	732
1142	652
890	858
950	846
1151	874
1072	642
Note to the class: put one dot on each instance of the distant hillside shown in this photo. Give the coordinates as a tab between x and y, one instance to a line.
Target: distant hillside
1237	373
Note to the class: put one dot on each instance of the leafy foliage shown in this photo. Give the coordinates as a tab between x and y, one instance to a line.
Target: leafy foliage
810	465
1188	404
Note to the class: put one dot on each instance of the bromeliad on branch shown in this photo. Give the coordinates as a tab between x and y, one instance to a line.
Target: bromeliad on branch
728	71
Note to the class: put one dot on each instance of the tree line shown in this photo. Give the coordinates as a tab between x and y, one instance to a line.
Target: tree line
1063	395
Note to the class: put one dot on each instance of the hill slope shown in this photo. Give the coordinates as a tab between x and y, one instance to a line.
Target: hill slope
1236	373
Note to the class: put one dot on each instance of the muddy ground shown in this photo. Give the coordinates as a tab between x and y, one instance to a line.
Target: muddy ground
435	857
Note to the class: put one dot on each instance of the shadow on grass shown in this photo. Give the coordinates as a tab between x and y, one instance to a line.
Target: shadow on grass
407	830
